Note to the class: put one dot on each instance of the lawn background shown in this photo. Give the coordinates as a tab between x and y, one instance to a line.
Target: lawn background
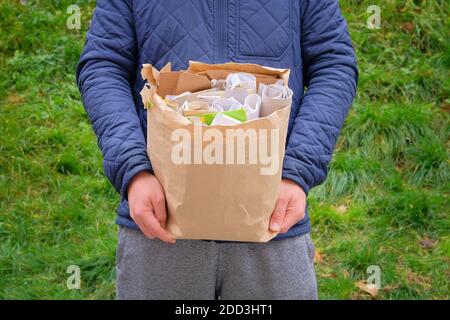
385	202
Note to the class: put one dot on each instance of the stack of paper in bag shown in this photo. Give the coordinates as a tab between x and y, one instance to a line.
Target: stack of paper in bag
216	137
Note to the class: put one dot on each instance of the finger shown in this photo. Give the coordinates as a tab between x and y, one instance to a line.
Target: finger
158	231
160	211
139	219
278	214
291	218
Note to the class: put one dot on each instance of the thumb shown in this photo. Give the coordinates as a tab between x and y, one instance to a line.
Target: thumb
278	215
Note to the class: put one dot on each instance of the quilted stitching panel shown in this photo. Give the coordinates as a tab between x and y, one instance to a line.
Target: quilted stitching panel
264	27
175	31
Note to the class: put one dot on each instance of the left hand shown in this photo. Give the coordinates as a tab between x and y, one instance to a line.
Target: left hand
290	207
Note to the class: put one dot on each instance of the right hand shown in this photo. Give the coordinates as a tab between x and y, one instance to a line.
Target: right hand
148	206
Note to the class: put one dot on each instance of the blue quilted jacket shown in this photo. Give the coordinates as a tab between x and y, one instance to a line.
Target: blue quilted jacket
307	36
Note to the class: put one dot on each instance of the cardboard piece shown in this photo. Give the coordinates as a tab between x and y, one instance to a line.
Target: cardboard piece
216	200
222	74
174	82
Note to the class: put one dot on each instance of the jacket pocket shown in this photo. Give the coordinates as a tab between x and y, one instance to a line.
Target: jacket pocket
264	28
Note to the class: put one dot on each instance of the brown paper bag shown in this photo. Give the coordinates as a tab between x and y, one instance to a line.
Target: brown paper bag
221	182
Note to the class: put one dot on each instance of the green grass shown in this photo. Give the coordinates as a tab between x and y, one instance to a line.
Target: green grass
387	189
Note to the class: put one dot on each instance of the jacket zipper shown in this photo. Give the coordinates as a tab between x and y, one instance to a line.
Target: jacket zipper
221	27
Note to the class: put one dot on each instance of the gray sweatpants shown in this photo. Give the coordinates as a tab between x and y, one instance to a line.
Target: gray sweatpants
193	269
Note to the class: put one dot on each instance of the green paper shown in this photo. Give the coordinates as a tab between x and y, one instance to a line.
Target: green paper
238	114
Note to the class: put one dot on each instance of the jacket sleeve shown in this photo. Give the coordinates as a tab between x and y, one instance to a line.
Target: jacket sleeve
105	76
330	75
